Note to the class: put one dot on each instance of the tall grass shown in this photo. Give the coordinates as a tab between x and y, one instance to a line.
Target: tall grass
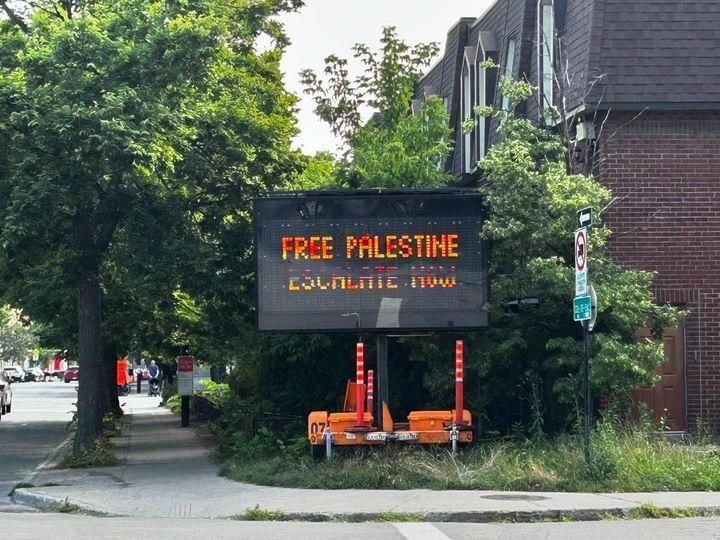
623	459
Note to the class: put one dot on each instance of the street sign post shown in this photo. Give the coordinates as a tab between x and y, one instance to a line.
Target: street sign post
581	262
185	368
583	305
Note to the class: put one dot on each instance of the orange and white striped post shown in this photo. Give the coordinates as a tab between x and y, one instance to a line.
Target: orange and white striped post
370	391
459	369
360	383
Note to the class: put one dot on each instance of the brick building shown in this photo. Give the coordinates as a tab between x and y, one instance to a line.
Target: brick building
645	90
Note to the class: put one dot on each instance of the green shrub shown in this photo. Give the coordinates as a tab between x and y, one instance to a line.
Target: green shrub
173	403
219	394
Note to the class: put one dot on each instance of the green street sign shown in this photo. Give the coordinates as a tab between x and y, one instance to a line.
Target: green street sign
582	308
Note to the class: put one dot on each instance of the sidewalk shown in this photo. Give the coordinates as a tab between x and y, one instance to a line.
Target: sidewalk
166	471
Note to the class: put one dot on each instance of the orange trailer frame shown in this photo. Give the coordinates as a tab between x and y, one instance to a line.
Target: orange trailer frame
356	426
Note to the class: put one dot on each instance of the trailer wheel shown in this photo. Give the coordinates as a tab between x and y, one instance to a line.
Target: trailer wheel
317	451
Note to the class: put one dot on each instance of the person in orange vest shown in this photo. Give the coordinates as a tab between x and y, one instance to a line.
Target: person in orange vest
122	374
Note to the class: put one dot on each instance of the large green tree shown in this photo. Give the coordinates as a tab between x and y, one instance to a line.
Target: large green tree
135	134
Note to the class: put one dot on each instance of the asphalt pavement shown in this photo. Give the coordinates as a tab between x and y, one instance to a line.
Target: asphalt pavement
35	427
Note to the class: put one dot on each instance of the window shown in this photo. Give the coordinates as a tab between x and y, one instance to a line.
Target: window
482	102
467	106
441	162
509	68
547	53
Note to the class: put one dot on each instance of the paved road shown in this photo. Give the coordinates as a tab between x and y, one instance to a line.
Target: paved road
36	426
62	526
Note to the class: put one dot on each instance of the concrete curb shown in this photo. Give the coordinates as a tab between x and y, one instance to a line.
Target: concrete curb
26	497
489	516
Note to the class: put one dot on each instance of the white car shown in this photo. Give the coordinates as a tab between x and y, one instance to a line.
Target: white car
15	373
5	394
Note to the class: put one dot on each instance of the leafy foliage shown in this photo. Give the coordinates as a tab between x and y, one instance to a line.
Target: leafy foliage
17	335
396	147
532	201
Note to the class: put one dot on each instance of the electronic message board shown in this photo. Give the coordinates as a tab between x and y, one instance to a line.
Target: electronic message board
396	261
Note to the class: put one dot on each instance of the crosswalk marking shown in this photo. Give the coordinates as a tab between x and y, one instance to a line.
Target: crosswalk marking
420	531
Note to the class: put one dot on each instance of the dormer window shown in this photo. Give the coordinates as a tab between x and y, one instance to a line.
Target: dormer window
480	90
509	68
547	53
484	86
467	107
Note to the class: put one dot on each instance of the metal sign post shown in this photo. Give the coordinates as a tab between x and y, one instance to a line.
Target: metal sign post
583	304
383	384
185	368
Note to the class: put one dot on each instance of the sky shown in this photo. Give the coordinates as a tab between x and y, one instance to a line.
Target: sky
323	27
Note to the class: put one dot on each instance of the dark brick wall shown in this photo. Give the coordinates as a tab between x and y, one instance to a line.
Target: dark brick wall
665	168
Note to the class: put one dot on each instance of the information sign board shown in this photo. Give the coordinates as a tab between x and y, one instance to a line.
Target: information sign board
185	368
382	261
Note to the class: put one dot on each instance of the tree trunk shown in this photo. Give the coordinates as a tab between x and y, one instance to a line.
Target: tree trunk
89	404
110	379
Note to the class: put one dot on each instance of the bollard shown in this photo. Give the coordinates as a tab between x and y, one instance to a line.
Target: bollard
459	382
360	384
370	391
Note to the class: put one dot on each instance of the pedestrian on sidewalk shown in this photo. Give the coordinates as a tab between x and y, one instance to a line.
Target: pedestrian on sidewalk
153	374
138	378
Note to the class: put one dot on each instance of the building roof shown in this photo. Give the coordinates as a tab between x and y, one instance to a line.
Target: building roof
655	53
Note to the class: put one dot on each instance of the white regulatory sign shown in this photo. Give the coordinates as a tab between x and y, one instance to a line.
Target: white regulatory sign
581	262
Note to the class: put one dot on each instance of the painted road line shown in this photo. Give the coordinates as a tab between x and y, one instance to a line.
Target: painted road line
420	531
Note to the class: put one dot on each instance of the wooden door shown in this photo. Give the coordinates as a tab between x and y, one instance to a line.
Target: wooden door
667	398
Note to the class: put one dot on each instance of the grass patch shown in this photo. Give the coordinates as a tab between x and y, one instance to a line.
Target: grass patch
650	511
101	456
69	508
627	459
21	485
399	517
259	514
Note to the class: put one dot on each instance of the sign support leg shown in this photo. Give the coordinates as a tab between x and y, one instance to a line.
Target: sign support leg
184	411
588	402
383	386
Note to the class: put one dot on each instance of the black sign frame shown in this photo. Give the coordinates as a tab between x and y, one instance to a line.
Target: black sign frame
314	205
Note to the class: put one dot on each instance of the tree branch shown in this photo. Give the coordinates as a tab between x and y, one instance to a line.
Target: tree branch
14	17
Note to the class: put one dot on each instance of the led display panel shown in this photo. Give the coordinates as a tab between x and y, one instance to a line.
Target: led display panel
398	262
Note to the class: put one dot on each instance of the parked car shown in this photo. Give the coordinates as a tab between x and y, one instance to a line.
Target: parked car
34	374
5	394
15	373
72	374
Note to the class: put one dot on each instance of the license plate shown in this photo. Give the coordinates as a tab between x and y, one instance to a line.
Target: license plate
376	436
350	436
407	436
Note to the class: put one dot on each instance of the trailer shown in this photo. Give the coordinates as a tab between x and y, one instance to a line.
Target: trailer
356	425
